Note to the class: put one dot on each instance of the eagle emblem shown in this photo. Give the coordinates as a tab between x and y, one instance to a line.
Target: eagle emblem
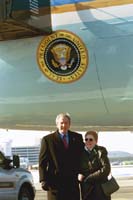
62	56
61	53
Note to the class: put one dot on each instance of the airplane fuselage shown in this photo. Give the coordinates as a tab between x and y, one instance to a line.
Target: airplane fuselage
100	97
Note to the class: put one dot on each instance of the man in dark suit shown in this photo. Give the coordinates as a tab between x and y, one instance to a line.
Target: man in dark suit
59	161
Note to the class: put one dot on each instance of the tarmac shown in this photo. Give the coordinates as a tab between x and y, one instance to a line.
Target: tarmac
124	193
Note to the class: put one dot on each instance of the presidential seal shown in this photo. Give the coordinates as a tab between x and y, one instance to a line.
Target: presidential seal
62	57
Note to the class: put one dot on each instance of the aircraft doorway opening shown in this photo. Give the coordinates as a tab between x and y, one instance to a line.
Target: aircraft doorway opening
5	9
26	18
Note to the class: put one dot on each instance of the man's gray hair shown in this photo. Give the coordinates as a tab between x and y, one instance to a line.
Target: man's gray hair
67	115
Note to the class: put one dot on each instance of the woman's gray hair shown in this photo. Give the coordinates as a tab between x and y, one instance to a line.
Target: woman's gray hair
63	115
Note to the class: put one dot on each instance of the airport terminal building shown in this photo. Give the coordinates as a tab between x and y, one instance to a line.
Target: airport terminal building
30	152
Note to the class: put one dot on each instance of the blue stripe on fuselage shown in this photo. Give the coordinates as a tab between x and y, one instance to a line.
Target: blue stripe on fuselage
59	2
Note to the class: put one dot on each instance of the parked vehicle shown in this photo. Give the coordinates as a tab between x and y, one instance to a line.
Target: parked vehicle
15	183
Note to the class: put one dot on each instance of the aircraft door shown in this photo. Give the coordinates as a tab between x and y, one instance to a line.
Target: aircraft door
35	13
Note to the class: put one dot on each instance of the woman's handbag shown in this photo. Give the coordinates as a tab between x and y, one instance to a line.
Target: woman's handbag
110	186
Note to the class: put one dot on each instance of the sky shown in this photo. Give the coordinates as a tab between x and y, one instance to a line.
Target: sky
117	141
113	141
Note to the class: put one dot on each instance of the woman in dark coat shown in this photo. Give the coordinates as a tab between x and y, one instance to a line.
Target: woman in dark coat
95	168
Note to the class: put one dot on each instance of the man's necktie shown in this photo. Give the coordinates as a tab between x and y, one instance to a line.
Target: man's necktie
65	141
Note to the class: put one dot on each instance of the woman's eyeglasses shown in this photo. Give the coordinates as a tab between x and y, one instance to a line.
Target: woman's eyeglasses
89	139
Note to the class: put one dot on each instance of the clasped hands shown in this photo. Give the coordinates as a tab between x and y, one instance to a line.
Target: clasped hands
81	177
44	185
